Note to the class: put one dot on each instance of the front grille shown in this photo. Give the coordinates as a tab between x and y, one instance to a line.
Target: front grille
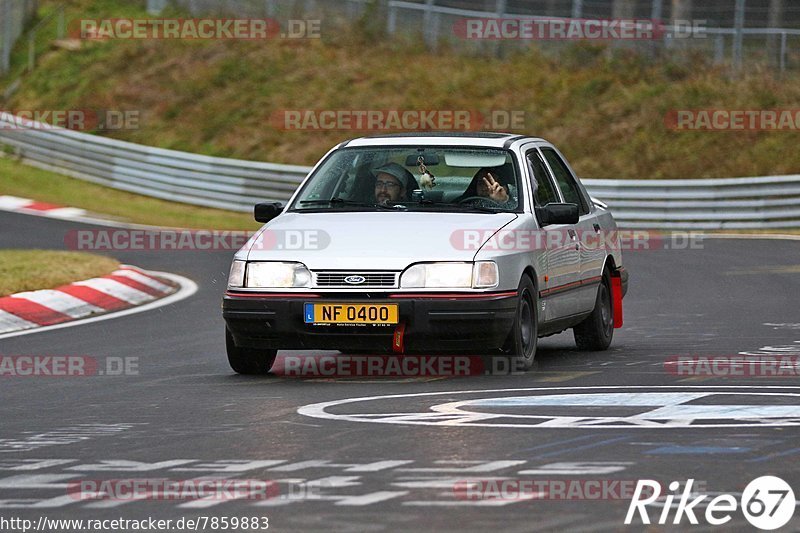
371	279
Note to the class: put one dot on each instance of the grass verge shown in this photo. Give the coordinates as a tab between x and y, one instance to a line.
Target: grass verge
17	179
30	270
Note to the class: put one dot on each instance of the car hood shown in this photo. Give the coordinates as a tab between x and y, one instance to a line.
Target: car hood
372	240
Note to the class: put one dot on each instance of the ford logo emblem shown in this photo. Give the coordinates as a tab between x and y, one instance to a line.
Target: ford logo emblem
355	280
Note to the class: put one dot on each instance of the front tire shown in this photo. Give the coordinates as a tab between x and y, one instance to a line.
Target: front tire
524	336
248	360
596	332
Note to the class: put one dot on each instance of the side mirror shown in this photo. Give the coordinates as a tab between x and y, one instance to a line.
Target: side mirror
558	214
267	211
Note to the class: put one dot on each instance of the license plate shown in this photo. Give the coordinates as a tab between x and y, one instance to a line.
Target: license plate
351	313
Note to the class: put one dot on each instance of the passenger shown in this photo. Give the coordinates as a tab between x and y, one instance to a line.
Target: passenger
488	184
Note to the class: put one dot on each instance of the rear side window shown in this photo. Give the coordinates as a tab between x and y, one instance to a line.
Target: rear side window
566	183
543	191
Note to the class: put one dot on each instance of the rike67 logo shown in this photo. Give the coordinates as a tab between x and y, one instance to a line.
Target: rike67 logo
767	503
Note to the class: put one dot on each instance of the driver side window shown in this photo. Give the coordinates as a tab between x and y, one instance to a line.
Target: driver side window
566	182
543	191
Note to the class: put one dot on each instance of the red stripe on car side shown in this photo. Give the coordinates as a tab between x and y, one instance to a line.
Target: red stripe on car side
569	286
456	295
269	295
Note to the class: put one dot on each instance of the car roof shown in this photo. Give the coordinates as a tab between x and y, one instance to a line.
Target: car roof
430	138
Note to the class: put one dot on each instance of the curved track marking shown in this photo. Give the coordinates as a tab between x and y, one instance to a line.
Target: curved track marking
431	417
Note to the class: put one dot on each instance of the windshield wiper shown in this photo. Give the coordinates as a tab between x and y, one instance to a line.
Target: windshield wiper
472	207
343	202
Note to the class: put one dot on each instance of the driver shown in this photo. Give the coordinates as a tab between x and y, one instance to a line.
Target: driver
391	183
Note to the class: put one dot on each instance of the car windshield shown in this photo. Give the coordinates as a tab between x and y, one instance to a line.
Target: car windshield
413	178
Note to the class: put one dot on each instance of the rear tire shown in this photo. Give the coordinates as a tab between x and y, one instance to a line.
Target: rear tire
248	360
521	343
596	332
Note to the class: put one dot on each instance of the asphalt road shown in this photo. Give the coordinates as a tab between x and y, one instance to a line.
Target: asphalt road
392	464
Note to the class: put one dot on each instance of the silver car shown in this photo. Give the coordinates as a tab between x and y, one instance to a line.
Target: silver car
475	243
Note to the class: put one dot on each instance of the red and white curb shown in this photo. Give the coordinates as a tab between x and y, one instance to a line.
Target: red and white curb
124	291
32	207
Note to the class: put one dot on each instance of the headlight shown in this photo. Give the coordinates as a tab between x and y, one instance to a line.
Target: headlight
480	275
236	276
269	275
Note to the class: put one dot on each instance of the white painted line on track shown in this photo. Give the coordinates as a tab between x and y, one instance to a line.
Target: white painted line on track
318	410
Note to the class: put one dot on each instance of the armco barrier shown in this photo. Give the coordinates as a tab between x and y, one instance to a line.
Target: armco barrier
735	203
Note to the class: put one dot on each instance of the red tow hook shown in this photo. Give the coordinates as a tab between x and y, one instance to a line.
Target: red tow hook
398	339
616	298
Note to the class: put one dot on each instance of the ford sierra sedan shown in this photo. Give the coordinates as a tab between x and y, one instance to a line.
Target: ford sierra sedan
475	243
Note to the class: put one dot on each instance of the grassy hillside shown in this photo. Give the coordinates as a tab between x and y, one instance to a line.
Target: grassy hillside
604	109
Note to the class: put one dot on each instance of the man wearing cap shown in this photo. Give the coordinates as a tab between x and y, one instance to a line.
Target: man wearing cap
391	183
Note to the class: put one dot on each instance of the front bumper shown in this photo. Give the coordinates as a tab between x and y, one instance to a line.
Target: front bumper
465	322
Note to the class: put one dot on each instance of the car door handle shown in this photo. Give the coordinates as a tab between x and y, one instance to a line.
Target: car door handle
597	228
574	238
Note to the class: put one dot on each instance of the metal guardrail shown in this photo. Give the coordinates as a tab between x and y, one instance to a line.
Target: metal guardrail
167	174
735	203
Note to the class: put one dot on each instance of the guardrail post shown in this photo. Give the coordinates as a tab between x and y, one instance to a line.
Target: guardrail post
719	49
657	11
31	50
500	7
5	35
739	36
783	52
61	30
577	9
155	7
391	19
427	23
